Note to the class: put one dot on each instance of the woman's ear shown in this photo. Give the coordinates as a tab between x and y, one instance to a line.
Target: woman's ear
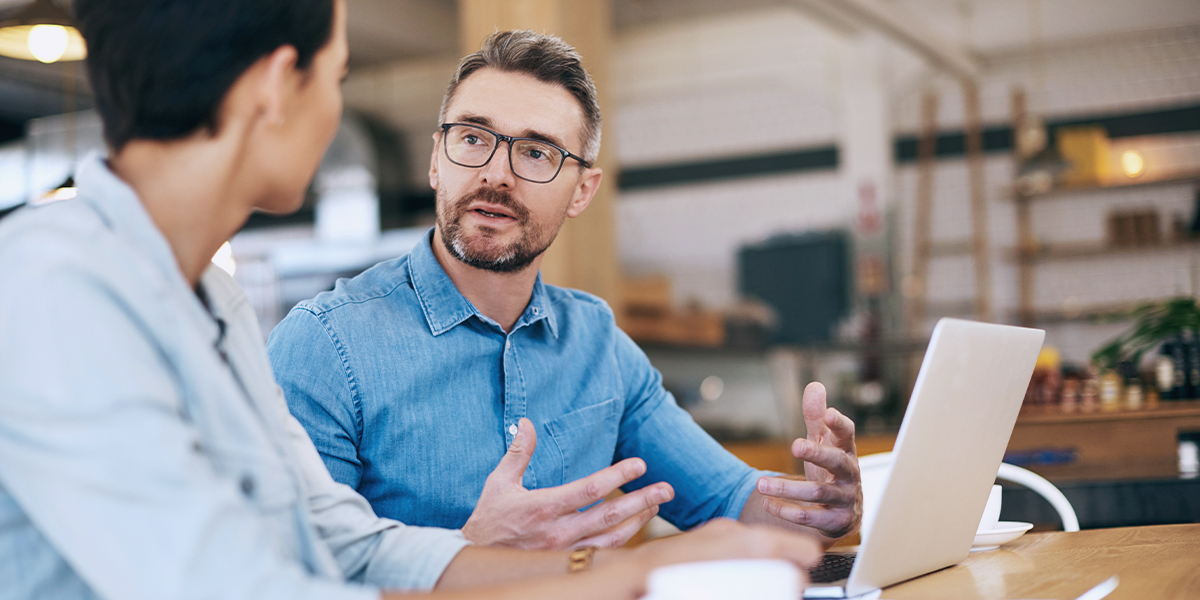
277	81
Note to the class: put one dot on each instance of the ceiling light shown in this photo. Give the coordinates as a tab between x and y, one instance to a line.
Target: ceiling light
1132	163
41	31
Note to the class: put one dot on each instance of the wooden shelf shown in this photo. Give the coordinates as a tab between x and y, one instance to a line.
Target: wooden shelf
1190	175
951	248
1071	250
1081	313
1167	409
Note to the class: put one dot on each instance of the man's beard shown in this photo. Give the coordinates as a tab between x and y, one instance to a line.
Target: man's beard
483	251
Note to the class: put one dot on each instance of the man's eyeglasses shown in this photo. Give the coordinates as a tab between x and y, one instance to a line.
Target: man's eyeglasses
535	161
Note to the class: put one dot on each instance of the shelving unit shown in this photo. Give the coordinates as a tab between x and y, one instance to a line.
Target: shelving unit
1029	252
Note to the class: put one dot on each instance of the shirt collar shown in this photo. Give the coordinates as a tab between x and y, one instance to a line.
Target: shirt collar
445	307
119	207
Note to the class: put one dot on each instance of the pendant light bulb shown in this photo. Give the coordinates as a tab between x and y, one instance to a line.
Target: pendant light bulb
48	43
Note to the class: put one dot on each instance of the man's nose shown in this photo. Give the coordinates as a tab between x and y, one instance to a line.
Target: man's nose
498	171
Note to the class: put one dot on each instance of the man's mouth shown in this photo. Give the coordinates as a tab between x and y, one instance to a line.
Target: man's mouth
492	214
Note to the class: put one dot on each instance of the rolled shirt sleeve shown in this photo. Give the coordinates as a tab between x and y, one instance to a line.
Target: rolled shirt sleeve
316	375
709	482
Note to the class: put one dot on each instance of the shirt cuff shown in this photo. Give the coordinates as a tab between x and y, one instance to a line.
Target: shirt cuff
741	493
416	558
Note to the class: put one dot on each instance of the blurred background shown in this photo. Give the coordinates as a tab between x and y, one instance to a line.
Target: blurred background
795	190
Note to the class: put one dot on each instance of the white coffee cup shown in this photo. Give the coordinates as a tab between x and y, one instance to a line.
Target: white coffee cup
991	512
725	580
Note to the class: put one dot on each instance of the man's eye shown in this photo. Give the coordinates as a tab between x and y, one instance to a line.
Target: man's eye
536	154
471	139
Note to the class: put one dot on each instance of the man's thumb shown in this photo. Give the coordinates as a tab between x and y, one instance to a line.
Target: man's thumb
814	408
516	460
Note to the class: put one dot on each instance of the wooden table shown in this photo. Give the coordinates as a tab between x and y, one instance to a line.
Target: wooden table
1161	562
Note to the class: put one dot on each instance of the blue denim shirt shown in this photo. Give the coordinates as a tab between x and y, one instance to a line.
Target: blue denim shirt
145	449
411	395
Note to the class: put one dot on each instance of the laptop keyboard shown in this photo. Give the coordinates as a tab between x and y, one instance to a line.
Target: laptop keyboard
832	568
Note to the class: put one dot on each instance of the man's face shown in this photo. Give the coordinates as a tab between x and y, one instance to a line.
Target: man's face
487	217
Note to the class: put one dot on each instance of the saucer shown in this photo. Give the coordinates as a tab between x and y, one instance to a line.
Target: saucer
1002	533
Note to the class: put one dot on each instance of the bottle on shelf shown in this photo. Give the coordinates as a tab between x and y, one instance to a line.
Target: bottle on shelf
1070	393
1133	394
1089	394
1179	362
1193	365
1110	390
1164	371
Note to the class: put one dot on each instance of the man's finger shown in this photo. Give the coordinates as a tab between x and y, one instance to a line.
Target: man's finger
841	430
832	522
807	491
512	466
612	513
814	411
617	536
595	487
836	461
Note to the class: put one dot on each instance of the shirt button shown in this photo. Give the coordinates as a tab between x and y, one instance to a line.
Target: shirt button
247	485
512	429
507	343
537	311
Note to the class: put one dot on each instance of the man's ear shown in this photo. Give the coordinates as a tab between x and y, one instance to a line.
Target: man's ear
585	190
433	160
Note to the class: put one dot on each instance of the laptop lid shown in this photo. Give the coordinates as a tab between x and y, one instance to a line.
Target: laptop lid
955	430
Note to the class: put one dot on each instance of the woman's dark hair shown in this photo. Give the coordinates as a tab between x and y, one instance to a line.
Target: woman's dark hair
160	68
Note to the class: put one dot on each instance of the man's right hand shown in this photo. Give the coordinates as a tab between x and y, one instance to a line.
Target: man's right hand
509	515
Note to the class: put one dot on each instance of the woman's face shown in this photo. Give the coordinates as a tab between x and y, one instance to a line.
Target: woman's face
289	158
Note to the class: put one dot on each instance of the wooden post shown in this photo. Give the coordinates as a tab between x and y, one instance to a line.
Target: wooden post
979	211
584	255
923	217
1026	244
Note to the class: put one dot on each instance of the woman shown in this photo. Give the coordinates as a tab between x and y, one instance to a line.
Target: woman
145	450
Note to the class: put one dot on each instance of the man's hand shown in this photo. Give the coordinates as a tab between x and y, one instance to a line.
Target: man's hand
829	498
509	515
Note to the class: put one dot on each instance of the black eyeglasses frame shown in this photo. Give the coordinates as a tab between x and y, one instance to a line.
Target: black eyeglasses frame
500	137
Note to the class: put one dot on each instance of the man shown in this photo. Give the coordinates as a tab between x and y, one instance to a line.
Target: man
145	449
414	377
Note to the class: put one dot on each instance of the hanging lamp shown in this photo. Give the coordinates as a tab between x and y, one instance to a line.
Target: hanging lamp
41	31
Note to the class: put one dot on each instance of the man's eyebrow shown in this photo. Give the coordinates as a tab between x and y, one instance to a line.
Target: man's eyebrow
528	133
476	120
545	137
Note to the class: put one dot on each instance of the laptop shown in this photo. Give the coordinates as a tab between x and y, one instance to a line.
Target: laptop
949	448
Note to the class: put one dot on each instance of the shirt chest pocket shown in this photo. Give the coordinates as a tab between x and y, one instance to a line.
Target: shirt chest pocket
584	439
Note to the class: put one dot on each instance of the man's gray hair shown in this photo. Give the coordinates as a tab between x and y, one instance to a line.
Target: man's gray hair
544	57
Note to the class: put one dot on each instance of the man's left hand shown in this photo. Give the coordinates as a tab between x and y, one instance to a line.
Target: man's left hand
828	500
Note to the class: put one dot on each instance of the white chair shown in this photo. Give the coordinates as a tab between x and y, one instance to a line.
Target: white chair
877	467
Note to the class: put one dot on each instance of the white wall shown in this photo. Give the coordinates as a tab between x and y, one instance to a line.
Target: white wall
769	80
1118	74
720	87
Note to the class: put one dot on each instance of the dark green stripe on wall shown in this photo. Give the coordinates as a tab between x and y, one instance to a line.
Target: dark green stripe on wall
999	139
808	159
1179	119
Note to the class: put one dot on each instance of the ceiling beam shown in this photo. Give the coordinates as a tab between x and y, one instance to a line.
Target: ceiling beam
884	17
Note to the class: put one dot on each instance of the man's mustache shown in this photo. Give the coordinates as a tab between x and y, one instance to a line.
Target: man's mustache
492	196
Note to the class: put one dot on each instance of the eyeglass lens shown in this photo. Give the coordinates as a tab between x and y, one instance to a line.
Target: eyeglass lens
473	147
